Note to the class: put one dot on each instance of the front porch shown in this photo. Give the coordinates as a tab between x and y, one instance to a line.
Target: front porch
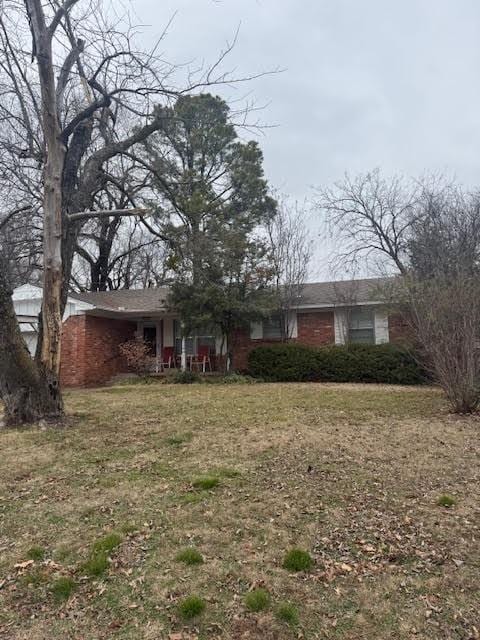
169	350
91	353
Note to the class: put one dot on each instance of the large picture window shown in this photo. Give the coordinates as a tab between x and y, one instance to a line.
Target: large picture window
204	337
361	325
272	328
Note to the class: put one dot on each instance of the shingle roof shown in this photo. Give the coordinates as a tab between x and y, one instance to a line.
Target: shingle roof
314	294
142	300
342	292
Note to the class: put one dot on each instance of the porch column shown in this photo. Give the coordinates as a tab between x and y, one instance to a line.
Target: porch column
183	357
158	345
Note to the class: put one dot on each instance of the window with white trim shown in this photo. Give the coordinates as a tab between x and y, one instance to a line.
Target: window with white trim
361	325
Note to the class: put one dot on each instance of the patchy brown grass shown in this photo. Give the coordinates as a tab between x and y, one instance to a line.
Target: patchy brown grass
350	473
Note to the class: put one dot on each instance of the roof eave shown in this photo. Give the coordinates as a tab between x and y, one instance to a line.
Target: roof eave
335	305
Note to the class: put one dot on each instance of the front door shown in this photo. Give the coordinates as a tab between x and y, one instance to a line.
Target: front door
150	338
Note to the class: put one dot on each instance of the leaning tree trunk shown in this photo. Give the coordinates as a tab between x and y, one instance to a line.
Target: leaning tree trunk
23	389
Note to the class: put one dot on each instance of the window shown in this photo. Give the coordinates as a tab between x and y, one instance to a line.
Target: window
207	341
272	328
204	336
361	326
189	340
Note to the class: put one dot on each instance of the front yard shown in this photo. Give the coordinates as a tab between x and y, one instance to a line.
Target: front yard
379	485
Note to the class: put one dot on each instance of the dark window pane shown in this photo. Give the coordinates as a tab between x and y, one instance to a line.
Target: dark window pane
272	328
361	318
362	336
204	336
361	325
207	341
189	344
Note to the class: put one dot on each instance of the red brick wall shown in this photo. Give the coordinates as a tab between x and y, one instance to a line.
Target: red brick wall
398	329
243	344
315	328
90	354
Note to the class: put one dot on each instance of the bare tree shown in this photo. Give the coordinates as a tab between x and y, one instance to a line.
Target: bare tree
444	315
290	256
20	245
119	253
428	231
442	292
90	97
371	218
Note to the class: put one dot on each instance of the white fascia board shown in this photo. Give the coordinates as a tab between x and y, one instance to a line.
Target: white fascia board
80	306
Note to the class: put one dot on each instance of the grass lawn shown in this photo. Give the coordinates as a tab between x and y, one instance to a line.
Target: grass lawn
167	512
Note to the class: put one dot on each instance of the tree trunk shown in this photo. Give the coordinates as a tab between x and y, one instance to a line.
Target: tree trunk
23	389
52	306
49	351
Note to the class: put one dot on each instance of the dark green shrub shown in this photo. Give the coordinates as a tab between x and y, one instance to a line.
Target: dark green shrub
184	377
257	600
387	364
283	363
191	607
297	560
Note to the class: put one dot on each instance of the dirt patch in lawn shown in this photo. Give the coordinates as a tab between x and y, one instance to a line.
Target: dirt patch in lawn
379	485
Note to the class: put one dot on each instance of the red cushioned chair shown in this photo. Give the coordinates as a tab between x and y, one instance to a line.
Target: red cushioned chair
167	360
202	360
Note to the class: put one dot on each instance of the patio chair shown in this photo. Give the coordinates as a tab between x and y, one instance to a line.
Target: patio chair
167	361
202	360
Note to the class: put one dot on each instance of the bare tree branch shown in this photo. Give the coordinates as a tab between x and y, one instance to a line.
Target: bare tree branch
107	213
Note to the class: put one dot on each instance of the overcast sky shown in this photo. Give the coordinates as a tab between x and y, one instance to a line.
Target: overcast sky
366	83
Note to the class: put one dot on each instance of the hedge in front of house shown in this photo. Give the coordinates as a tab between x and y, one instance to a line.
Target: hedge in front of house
388	364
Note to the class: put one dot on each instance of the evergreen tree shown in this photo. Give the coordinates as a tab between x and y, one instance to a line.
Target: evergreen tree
212	201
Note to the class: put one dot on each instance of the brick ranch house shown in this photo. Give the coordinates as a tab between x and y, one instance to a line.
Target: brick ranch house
95	324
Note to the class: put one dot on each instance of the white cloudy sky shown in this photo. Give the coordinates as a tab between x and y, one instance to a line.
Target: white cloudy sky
366	83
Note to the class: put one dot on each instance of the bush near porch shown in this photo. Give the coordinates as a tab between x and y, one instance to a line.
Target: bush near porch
385	364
